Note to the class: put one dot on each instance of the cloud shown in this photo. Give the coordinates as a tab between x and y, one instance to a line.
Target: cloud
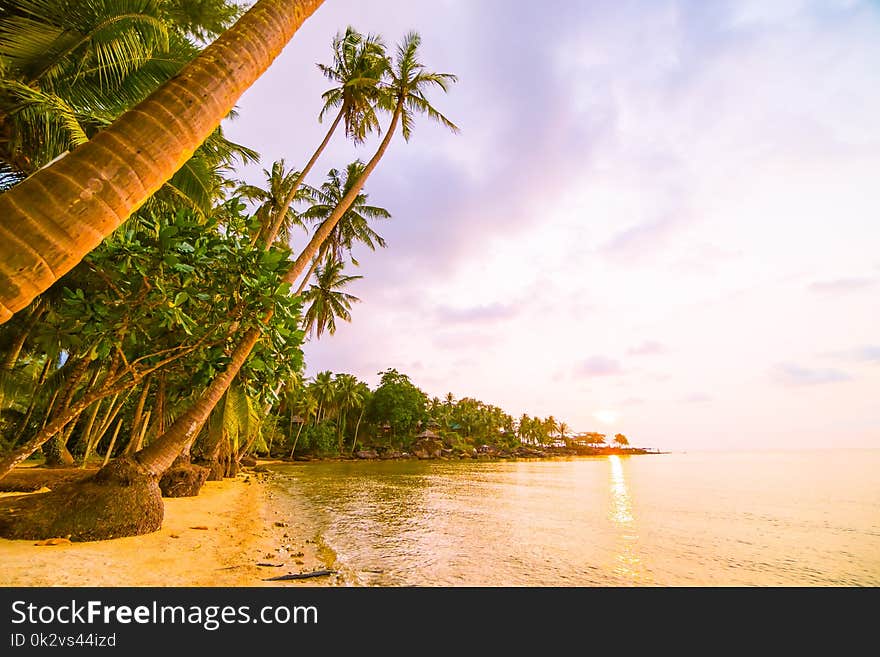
647	348
869	353
791	374
476	314
597	366
841	285
640	239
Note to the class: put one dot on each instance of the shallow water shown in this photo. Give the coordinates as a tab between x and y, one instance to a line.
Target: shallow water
808	518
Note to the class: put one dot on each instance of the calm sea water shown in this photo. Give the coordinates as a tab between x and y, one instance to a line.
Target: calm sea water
808	518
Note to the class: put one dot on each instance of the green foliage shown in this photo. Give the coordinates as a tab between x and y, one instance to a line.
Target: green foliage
69	69
399	404
320	439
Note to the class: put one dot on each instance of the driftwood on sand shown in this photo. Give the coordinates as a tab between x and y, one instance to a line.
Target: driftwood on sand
314	573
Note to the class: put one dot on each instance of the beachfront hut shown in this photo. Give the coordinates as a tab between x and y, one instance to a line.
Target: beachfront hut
427	433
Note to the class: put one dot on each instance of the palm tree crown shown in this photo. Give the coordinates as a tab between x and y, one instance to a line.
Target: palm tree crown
359	64
408	81
327	301
354	225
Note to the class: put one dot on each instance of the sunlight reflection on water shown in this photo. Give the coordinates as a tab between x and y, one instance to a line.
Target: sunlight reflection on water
627	560
678	519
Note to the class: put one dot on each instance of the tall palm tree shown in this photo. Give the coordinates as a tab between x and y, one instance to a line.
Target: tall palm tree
406	94
327	301
359	64
63	211
563	430
272	201
354	225
348	397
364	394
403	96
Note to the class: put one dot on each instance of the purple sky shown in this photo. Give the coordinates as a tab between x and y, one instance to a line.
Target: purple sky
659	218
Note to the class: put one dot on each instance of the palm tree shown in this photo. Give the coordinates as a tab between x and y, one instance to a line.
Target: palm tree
322	389
326	300
279	183
307	407
359	64
404	96
563	429
348	397
406	90
63	211
353	226
364	394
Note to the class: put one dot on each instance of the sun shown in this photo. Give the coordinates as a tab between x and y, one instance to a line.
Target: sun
606	416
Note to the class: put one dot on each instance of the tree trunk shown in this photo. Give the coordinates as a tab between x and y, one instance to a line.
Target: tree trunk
33	403
356	428
112	443
138	416
296	440
50	429
63	211
161	452
56	449
308	276
18	344
330	222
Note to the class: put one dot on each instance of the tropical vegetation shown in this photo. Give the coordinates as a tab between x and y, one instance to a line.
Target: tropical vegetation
176	339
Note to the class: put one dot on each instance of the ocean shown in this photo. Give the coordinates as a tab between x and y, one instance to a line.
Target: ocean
762	518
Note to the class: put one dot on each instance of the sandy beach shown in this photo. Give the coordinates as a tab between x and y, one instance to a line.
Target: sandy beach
215	539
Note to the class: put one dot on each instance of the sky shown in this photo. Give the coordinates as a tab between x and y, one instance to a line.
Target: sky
659	218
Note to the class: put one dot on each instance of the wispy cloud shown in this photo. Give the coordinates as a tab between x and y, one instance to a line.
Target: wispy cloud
791	374
597	366
869	353
641	239
841	285
647	348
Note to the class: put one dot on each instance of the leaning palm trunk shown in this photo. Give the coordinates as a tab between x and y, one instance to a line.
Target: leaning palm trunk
308	276
158	456
59	214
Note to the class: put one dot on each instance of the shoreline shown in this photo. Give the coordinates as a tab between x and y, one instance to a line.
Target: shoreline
214	539
217	538
452	455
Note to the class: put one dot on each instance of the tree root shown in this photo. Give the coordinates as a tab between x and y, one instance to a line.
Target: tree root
121	499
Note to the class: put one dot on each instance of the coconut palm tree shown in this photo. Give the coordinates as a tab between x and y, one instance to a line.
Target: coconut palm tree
359	64
272	201
327	301
364	394
348	397
306	407
403	96
563	430
322	389
353	227
61	212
